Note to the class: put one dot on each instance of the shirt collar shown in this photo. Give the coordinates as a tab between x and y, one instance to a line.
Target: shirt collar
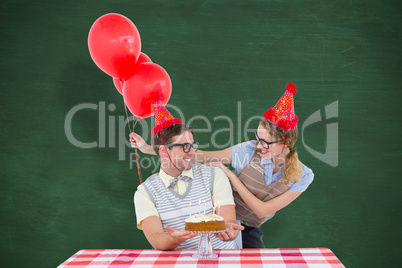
266	161
166	178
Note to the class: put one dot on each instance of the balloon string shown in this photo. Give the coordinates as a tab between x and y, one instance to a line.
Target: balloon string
135	121
128	120
125	108
135	149
136	155
168	153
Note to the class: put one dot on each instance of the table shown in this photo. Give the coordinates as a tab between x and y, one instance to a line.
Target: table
230	258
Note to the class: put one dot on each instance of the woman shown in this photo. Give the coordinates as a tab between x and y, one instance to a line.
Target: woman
267	175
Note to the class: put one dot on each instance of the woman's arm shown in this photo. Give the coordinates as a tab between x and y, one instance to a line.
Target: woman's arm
224	156
260	208
138	142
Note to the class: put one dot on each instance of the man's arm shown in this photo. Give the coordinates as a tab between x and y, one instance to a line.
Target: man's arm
153	231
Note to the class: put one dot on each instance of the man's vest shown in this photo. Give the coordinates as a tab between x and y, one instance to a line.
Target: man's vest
174	208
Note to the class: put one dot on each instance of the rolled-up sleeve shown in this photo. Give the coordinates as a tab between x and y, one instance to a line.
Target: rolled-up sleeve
242	154
222	190
307	177
144	207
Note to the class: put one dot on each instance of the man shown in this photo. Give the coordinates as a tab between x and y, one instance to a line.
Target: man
165	199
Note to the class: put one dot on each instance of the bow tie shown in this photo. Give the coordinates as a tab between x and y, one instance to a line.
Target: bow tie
174	181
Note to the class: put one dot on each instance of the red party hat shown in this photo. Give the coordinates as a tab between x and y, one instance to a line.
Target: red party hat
163	119
283	114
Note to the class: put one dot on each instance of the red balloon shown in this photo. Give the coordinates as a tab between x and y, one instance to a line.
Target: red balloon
118	84
143	58
115	45
150	84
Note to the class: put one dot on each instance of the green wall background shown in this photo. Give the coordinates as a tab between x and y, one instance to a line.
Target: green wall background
57	198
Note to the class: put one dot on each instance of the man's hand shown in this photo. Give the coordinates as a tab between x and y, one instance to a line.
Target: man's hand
160	240
232	229
178	235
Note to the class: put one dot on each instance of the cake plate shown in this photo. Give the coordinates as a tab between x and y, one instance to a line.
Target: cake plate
204	247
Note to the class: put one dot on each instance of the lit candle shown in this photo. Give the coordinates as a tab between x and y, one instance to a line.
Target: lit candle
204	207
190	208
218	208
199	208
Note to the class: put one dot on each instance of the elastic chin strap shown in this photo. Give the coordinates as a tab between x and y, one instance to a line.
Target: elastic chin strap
168	153
286	137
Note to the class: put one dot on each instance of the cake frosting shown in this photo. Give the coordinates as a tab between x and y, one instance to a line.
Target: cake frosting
201	223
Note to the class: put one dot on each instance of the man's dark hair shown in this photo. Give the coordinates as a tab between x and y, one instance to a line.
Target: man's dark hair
168	134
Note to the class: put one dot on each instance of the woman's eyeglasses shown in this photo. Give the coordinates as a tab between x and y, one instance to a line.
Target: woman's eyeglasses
263	143
186	146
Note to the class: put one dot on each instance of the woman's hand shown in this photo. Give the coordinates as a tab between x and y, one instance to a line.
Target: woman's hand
138	142
221	166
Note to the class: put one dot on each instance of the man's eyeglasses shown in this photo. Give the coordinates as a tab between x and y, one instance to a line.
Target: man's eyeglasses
263	143
186	146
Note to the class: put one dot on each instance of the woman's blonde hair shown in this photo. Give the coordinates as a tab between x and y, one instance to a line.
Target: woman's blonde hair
292	168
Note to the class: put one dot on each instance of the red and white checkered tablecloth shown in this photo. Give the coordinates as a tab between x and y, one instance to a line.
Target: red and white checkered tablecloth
230	258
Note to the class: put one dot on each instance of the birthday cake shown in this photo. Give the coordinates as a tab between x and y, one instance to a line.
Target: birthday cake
205	223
